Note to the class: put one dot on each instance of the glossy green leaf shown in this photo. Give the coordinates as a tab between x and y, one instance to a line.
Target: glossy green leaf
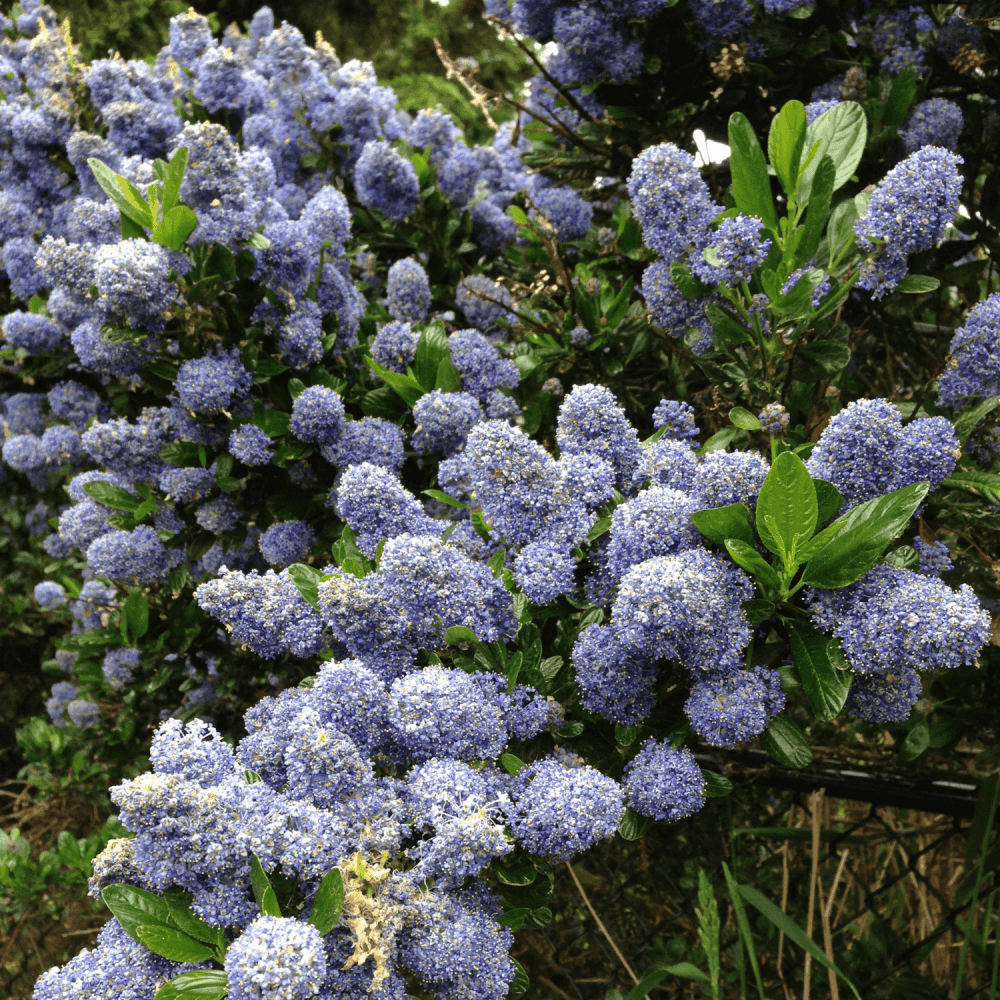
826	686
729	330
458	634
258	241
840	229
985	484
786	505
173	944
918	284
135	907
130	229
719	523
716	785
407	388
918	739
444	498
897	104
633	826
179	902
785	142
521	872
758	610
844	552
432	349
175	227
828	501
511	764
328	903
750	559
820	195
135	614
200	984
843	133
172	178
791	930
786	743
127	197
112	496
520	982
967	422
448	378
743	419
263	892
690	286
751	183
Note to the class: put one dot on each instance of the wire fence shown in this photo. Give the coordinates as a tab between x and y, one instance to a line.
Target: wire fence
887	868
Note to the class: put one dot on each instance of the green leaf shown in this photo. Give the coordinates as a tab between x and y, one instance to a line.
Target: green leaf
828	501
406	387
744	419
172	178
744	925
787	504
136	615
520	982
432	349
686	970
750	559
175	227
135	907
758	610
785	142
511	764
730	331
448	378
985	484
570	730
751	184
918	739
329	902
844	552
917	284
459	633
690	286
179	902
633	826
514	872
791	930
826	686
648	982
262	890
843	133
201	984
716	785
719	523
306	580
786	743
820	196
823	357
968	421
122	192
131	230
840	229
625	735
112	496
443	497
897	104
171	944
258	241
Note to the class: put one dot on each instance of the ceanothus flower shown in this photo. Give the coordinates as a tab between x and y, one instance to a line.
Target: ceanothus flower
729	707
250	444
656	522
318	415
395	345
386	181
185	485
136	557
484	302
935	558
887	697
562	213
83	713
479	364
210	384
443	421
49	595
663	783
671	201
774	419
219	515
544	570
134	285
370	439
732	253
937	122
119	667
287	542
612	683
684	607
727	477
973	365
31	332
375	504
408	291
564	807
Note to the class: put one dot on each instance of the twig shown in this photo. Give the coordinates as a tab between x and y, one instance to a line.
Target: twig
825	906
604	930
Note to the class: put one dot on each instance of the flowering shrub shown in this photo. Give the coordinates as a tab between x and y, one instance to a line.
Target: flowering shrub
329	388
